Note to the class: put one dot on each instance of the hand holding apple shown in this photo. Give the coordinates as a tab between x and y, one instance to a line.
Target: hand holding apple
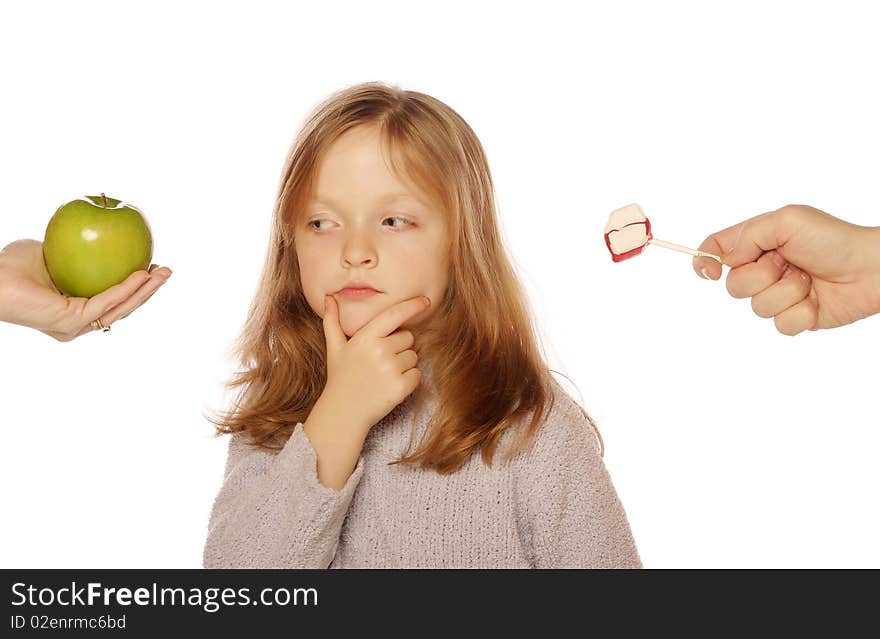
95	242
29	298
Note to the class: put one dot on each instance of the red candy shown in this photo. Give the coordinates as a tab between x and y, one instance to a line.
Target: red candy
627	233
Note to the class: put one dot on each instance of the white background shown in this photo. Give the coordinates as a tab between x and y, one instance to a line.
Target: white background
730	444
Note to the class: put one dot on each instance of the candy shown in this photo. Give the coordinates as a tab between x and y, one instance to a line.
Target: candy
628	232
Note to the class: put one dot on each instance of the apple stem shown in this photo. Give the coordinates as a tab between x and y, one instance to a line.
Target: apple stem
105	200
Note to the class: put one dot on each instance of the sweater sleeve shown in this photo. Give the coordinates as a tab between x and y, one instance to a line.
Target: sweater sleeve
273	512
568	511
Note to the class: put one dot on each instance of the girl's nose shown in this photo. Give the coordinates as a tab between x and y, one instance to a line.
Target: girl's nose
359	255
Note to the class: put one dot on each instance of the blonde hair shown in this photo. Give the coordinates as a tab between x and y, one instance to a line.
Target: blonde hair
486	369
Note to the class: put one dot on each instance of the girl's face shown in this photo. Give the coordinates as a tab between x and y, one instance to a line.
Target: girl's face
364	224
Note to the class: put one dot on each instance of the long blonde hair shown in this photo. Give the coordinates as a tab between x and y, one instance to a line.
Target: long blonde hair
486	368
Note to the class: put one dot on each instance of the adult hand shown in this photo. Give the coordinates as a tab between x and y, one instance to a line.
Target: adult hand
29	298
801	266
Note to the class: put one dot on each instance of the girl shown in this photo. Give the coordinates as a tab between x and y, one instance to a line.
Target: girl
316	474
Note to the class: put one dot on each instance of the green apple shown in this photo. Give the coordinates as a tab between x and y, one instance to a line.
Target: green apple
95	242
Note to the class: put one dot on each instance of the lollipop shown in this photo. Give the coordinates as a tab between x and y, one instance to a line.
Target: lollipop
628	232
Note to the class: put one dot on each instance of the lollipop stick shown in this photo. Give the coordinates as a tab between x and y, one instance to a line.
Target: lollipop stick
683	249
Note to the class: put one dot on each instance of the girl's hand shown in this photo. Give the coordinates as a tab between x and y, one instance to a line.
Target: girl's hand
801	266
374	371
29	298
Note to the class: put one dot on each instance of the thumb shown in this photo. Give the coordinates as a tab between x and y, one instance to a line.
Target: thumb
333	333
744	242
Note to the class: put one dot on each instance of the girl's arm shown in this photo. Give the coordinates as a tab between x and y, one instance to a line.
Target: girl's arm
568	510
273	512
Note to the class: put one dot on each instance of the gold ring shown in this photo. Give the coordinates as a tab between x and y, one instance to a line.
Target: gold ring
97	324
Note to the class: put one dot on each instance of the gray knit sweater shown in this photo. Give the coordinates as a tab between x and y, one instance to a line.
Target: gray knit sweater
552	506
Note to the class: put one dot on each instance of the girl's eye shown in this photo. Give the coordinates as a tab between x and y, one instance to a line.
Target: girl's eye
399	218
408	222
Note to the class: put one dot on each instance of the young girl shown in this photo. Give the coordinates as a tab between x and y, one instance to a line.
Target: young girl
333	388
